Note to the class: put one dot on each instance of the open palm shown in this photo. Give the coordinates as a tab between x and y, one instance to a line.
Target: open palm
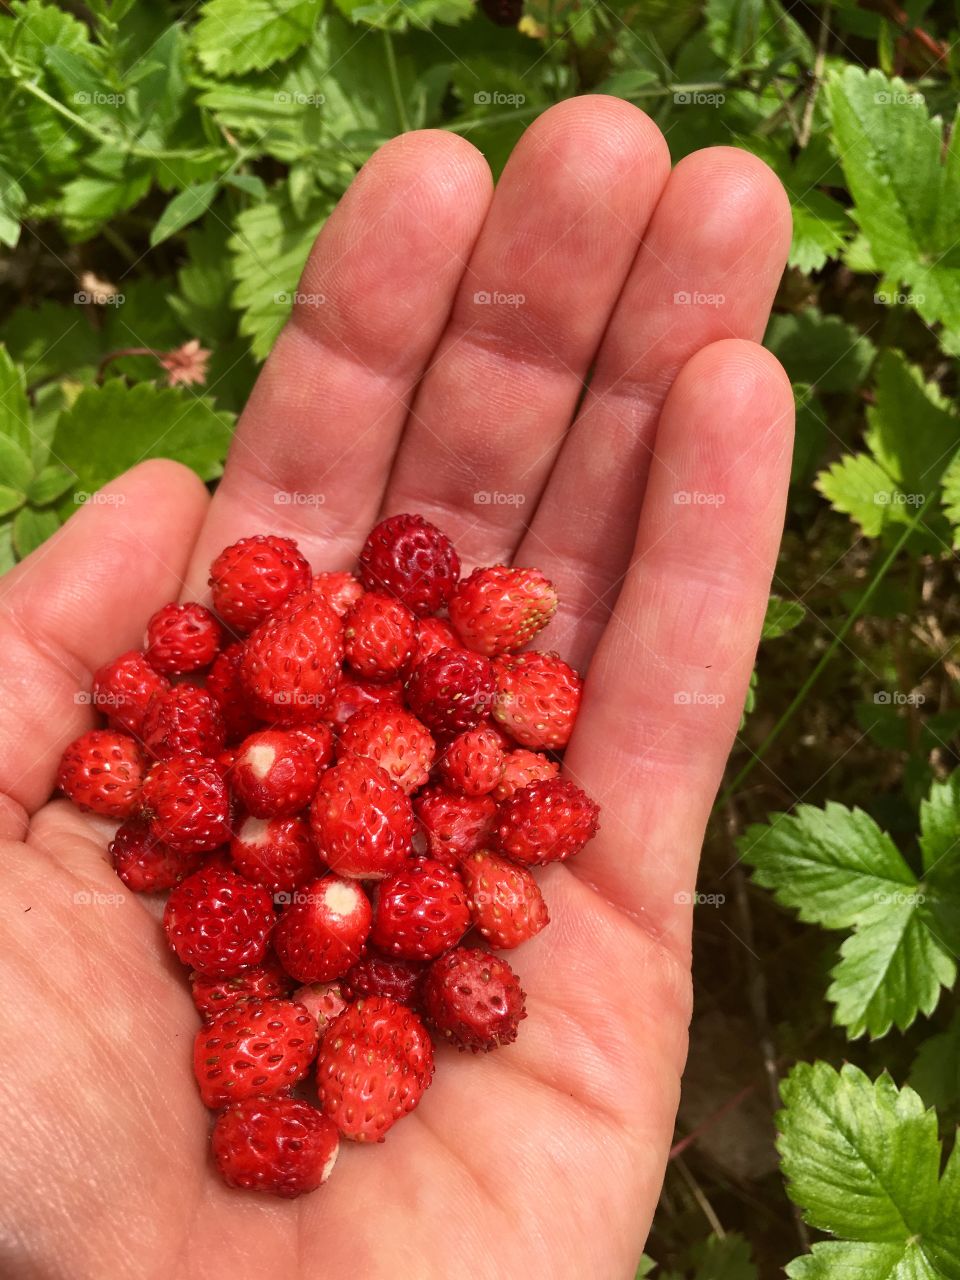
437	357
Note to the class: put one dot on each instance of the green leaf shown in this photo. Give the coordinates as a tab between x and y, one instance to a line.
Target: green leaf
755	33
90	201
51	483
836	868
723	1259
14	409
8	556
234	36
644	1267
185	207
51	340
269	249
950	497
935	1073
401	15
862	1160
31	528
905	187
15	464
113	427
823	351
10	500
781	616
13	199
821	226
859	487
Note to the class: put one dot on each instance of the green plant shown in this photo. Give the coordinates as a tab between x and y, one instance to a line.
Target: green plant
164	168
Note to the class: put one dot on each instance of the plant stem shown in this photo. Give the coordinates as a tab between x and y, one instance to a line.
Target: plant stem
879	574
394	74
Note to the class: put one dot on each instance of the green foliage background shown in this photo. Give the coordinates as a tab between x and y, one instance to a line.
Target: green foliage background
184	156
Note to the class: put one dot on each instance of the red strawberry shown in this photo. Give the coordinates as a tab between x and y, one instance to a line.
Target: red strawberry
217	922
281	1146
376	975
223	683
323	999
351	696
408	557
278	853
185	801
472	764
434	634
498	609
379	636
505	900
143	863
265	981
102	772
547	821
474	999
374	1064
393	739
182	637
420	912
319	738
181	721
522	767
451	690
274	774
122	690
254	576
254	1049
338	590
291	663
537	699
323	932
362	821
454	825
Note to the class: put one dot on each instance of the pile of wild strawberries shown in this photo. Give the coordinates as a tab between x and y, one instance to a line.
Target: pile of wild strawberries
337	785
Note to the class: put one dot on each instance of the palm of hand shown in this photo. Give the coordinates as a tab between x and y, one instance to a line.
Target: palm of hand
545	1157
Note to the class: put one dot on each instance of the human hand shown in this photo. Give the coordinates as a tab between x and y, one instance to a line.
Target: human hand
657	514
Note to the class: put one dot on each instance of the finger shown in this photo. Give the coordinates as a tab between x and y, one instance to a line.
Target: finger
667	684
719	238
555	249
78	600
321	425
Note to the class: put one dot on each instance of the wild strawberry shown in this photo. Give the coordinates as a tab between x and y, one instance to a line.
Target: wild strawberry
323	999
143	863
393	739
181	721
338	590
474	999
218	923
454	825
102	772
319	738
472	764
537	699
522	767
182	638
251	578
265	981
505	901
362	821
408	557
122	690
497	610
547	821
376	975
420	912
223	683
282	1146
254	1049
379	636
434	634
185	801
374	1064
322	933
451	690
274	774
351	696
291	663
278	853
